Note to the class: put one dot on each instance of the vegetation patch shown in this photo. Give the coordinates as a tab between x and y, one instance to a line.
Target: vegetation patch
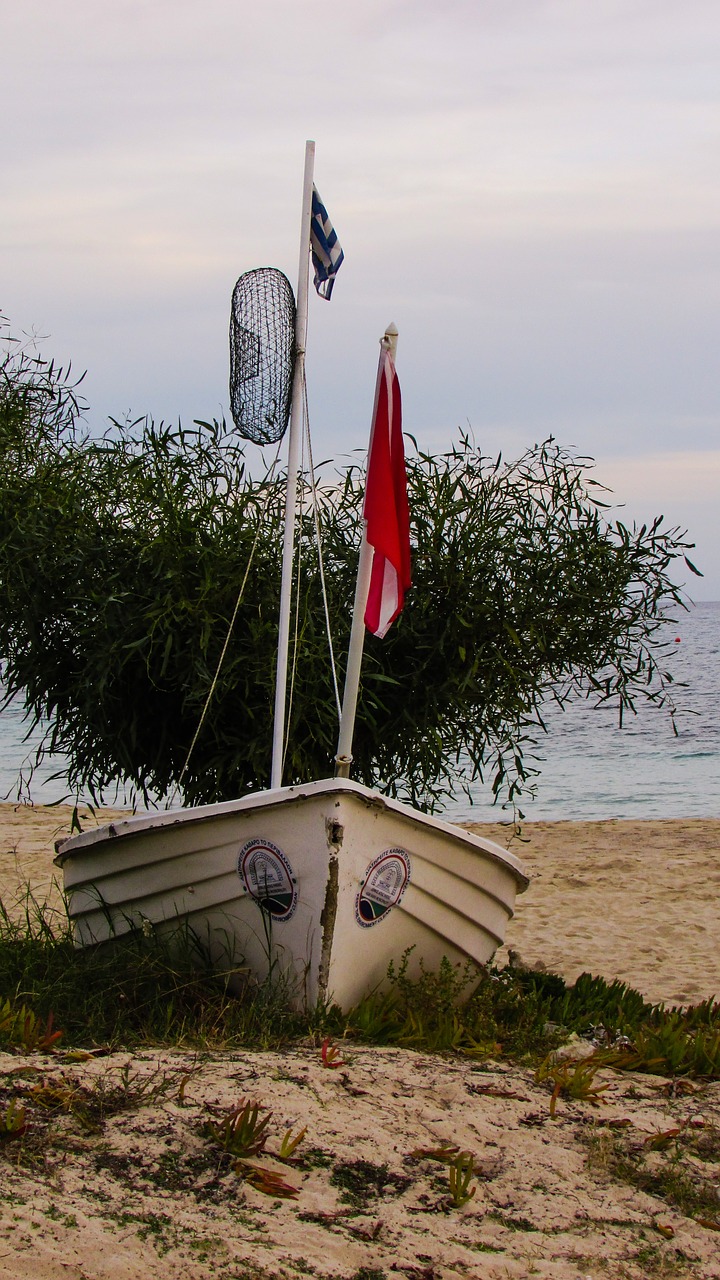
141	988
145	989
665	1166
361	1181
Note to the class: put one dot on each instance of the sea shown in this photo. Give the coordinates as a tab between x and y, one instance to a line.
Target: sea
590	767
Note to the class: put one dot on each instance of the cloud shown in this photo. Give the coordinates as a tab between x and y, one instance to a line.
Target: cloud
669	477
682	486
529	188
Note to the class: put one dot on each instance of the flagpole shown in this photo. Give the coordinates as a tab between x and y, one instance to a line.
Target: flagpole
293	468
343	758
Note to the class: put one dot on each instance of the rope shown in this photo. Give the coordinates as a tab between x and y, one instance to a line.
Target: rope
307	440
213	686
318	543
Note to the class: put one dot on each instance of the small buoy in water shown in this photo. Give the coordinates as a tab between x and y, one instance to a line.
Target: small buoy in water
677	639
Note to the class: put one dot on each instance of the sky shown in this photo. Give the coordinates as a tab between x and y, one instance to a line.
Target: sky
529	189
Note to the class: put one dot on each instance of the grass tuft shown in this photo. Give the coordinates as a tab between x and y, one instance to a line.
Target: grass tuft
139	989
145	988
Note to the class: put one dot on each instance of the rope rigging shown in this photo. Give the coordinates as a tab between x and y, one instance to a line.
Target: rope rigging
262	359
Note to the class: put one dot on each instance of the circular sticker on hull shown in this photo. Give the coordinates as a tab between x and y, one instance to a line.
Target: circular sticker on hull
384	885
267	876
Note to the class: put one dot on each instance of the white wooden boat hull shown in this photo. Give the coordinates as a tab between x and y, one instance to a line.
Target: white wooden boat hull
349	880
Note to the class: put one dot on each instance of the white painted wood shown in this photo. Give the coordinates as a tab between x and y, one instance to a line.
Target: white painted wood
293	467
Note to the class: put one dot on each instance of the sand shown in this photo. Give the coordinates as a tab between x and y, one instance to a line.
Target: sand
630	900
145	1193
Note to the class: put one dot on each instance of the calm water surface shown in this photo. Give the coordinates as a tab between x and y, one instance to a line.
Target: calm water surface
592	769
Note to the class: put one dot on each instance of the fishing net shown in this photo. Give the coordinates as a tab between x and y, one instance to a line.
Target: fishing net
262	351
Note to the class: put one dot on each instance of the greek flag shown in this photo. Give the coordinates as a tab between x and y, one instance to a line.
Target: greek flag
327	255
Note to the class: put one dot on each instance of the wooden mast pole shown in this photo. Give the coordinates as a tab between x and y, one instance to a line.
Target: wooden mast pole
293	467
343	759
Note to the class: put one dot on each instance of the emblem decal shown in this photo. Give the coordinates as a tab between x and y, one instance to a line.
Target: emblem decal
267	876
384	885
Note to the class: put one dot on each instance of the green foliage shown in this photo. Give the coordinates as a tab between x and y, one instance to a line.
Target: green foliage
668	1171
672	1043
593	1001
241	1131
461	1172
645	1037
458	1009
139	989
574	1080
118	1090
20	1028
13	1122
121	559
146	988
520	1012
460	1167
330	1055
289	1145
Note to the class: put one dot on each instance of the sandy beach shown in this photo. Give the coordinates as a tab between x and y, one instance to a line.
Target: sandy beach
145	1194
631	900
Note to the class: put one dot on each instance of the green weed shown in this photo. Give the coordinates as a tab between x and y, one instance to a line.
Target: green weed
645	1037
458	1008
289	1146
673	1042
574	1080
13	1122
20	1028
146	988
662	1166
241	1131
330	1055
377	1017
461	1172
592	1002
138	989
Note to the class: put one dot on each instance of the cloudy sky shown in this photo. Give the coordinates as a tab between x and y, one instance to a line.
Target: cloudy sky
530	189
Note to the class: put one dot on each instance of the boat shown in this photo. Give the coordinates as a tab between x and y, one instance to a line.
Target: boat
321	885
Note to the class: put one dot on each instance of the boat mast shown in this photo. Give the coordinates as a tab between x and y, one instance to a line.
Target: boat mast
343	759
293	467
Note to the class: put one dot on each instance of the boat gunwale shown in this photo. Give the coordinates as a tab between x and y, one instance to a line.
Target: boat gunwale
126	828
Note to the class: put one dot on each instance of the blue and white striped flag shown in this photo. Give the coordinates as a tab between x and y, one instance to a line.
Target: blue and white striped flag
327	255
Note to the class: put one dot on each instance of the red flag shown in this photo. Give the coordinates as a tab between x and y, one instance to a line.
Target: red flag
386	505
